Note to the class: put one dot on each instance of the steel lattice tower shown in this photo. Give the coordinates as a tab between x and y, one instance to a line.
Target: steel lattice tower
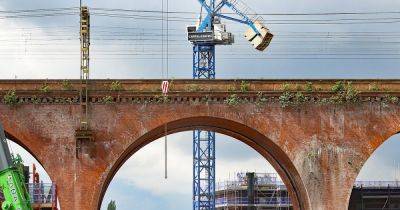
204	61
203	141
205	35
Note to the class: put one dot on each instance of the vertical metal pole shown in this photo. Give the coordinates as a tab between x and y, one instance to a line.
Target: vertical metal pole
362	197
250	190
83	134
389	198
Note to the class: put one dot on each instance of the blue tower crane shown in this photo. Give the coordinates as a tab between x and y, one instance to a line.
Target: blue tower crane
204	36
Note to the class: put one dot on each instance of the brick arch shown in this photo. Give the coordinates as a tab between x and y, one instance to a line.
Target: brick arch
26	147
21	144
264	146
30	145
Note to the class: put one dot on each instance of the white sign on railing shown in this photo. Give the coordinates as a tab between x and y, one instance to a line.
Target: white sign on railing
164	87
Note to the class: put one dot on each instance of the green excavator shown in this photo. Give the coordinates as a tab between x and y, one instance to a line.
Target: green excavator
12	181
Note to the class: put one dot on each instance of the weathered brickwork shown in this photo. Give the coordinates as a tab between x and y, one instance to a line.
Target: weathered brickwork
317	148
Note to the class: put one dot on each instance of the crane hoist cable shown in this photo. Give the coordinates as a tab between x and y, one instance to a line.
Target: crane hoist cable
167	69
162	39
167	34
165	60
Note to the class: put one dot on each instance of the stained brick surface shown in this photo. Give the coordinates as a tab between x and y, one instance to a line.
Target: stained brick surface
317	149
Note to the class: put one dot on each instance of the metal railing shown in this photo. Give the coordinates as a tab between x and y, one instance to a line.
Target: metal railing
377	184
261	179
277	201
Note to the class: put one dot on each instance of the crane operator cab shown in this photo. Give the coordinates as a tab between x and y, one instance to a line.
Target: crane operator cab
260	39
218	35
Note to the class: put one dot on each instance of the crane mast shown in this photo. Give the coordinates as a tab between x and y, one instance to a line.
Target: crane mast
204	36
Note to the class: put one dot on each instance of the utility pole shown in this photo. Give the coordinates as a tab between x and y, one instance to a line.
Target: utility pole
83	135
85	44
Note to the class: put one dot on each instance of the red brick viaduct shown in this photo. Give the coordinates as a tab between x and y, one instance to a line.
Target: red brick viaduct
316	134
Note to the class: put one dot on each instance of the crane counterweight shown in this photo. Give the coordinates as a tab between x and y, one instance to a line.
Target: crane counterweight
261	40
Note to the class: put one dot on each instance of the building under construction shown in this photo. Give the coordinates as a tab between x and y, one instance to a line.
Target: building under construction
251	191
264	191
373	195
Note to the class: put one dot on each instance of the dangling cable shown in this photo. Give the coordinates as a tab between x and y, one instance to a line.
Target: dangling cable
162	39
167	76
162	65
167	38
201	14
166	151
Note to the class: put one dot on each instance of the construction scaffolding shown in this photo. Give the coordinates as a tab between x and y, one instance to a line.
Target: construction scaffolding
43	196
255	191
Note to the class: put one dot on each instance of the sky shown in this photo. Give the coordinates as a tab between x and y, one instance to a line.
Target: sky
128	45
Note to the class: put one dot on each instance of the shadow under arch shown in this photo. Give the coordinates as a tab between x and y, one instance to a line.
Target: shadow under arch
264	146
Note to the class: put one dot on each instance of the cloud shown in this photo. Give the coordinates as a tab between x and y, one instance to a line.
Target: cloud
128	198
26	53
144	171
110	65
384	163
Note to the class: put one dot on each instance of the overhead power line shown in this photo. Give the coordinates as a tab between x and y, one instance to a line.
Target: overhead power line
150	15
277	14
187	59
38	15
188	20
324	45
38	10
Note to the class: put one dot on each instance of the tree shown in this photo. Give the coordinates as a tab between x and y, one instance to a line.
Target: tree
112	206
